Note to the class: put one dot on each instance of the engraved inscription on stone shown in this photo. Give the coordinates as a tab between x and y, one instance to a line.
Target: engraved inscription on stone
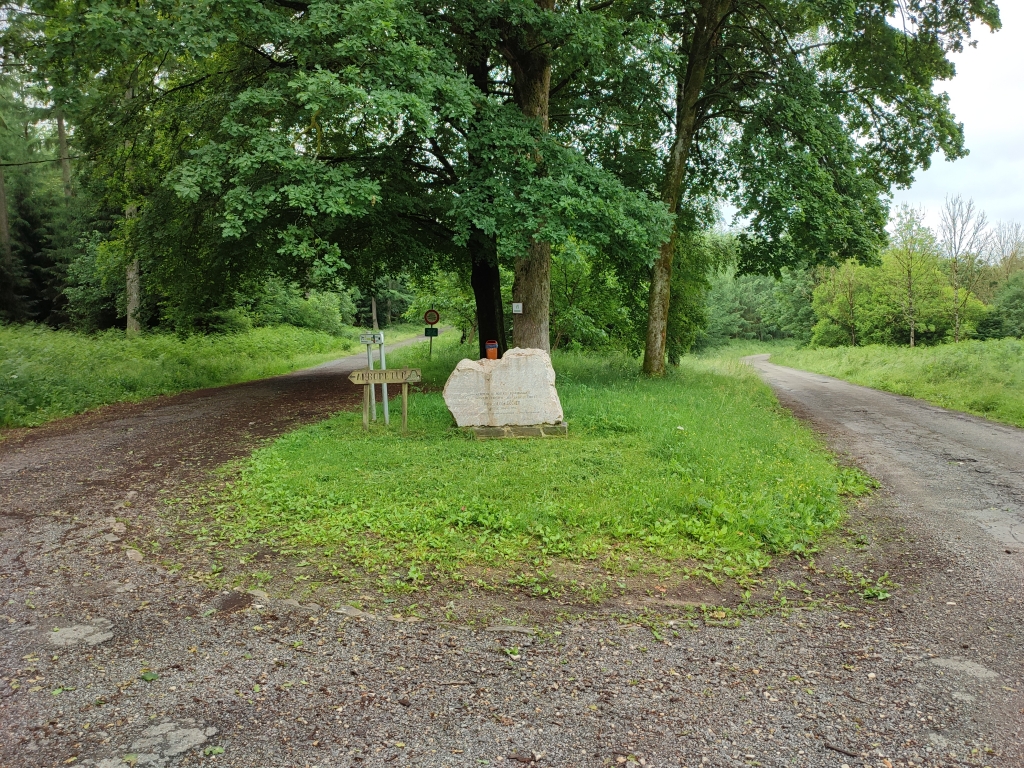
518	389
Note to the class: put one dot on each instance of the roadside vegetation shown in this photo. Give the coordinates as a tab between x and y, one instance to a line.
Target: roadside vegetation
985	378
926	288
697	472
939	315
47	374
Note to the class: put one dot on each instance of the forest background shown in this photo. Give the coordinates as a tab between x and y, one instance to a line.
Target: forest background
211	167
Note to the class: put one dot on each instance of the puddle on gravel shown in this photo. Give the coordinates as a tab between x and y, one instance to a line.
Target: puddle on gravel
81	634
967	667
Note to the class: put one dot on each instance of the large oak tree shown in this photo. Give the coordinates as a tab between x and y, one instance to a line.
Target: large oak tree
804	114
315	139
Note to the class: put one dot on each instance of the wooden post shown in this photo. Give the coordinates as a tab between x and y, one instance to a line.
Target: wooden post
366	407
405	406
369	367
384	384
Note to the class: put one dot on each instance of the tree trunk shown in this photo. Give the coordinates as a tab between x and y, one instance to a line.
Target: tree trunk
486	281
133	283
658	301
532	287
133	275
65	158
528	54
485	276
8	298
133	287
851	302
688	89
956	308
911	312
5	227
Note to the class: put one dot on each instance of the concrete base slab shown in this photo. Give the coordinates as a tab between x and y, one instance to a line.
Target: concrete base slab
532	430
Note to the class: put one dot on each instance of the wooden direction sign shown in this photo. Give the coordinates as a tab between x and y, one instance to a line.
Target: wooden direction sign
368	378
388	376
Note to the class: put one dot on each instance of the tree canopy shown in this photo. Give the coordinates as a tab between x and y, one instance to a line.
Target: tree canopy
223	142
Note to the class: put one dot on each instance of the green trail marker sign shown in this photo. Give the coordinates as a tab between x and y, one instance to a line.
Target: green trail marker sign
368	377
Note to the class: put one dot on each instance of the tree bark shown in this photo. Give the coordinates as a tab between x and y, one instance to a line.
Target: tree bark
65	158
133	288
911	312
133	274
5	227
485	276
956	307
486	281
528	54
133	284
851	303
532	287
8	298
688	89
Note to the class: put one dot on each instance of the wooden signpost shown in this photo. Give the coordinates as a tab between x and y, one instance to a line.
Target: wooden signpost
370	339
368	377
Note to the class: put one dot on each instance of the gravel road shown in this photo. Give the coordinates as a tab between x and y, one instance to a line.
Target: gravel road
108	659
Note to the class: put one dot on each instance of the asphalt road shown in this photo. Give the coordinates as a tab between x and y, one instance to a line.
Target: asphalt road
947	466
110	656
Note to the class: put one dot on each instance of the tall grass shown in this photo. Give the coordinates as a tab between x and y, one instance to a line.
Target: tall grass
46	374
980	377
698	467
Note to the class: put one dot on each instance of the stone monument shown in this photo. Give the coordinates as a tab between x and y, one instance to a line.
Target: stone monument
511	397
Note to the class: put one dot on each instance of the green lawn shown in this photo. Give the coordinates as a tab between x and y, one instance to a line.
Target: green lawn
46	374
699	470
981	377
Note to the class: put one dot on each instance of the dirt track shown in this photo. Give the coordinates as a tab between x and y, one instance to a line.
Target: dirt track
931	677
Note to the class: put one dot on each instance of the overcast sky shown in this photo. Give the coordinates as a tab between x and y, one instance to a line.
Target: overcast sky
987	96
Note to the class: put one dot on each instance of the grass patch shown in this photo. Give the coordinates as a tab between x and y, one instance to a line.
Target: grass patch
985	378
701	471
47	374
